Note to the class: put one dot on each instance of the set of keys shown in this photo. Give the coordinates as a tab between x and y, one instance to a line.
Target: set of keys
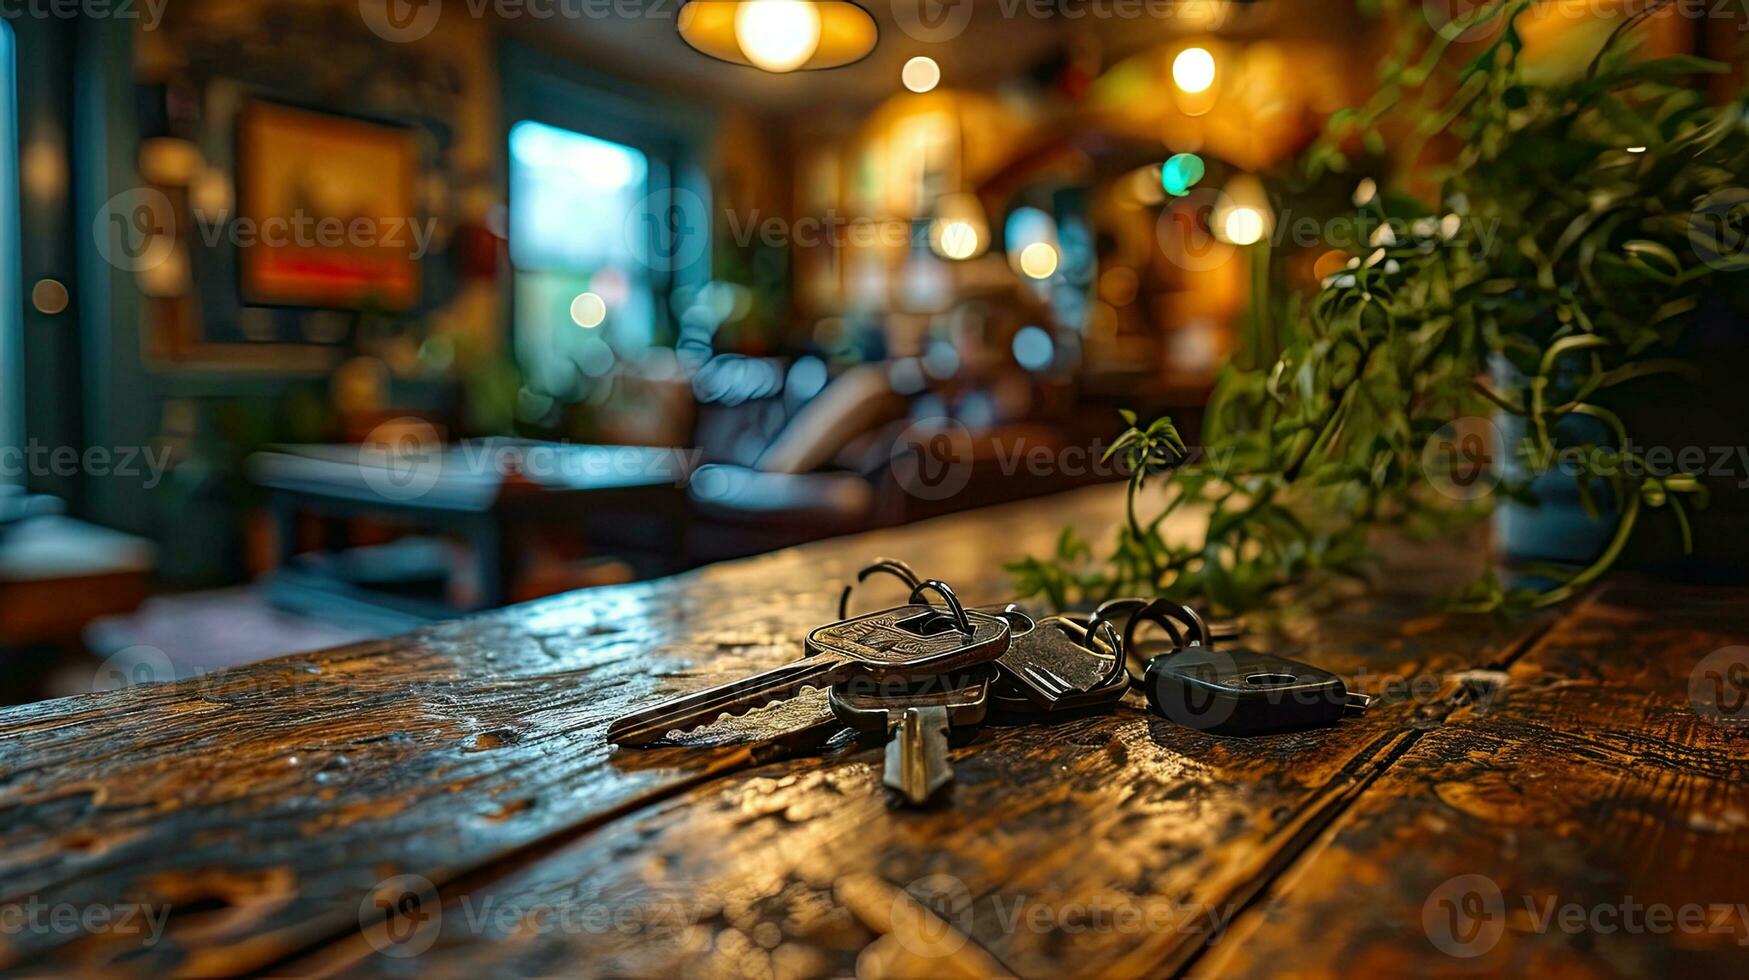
914	674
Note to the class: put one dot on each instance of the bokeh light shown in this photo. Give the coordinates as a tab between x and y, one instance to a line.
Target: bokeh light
941	361
1243	226
921	74
1033	348
806	379
778	35
1180	173
1193	70
959	240
588	310
1038	260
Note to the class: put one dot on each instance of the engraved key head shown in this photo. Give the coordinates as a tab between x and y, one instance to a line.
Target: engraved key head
913	640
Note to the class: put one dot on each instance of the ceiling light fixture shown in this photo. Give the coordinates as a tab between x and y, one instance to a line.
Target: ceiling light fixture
779	36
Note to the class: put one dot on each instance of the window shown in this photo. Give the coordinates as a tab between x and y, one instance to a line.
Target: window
584	296
11	292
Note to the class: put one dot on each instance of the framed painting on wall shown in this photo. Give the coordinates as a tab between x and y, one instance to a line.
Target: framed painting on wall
328	201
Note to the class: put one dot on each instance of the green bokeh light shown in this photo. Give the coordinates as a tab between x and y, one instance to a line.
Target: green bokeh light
1180	173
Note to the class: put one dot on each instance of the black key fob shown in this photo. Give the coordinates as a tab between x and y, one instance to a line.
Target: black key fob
1234	691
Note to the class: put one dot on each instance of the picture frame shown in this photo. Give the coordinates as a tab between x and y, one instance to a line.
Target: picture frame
330	201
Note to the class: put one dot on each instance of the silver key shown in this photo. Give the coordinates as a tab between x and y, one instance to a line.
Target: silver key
1059	666
917	765
916	720
908	641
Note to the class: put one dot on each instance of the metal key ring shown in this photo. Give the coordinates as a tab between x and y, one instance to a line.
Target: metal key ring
944	590
1113	609
1015	611
891	566
1166	614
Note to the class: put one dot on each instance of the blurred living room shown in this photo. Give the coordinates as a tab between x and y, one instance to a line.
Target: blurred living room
326	319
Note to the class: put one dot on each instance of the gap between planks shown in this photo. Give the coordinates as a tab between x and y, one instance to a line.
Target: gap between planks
1315	824
345	944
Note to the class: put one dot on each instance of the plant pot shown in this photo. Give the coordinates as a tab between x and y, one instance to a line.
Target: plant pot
1675	423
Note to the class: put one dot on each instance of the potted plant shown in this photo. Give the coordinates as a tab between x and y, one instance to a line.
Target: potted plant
1586	242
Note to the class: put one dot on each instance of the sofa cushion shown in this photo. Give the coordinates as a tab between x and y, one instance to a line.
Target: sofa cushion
860	400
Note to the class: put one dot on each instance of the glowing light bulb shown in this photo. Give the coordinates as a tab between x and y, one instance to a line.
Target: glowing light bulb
1243	226
1038	260
959	240
778	35
921	75
588	310
1193	70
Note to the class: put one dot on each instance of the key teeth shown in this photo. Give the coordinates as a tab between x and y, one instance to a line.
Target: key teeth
1057	686
624	732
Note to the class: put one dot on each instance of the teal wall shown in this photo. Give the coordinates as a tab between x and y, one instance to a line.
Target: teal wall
11	289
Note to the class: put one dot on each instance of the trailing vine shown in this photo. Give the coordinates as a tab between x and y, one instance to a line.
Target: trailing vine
1575	232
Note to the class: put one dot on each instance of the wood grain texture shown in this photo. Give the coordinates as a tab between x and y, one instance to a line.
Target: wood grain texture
1112	845
271	811
264	804
1585	791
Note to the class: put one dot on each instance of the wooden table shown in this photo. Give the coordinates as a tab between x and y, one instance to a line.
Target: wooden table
631	500
268	815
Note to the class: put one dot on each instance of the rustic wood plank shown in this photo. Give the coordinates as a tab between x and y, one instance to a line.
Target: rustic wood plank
1589	781
263	804
1104	846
